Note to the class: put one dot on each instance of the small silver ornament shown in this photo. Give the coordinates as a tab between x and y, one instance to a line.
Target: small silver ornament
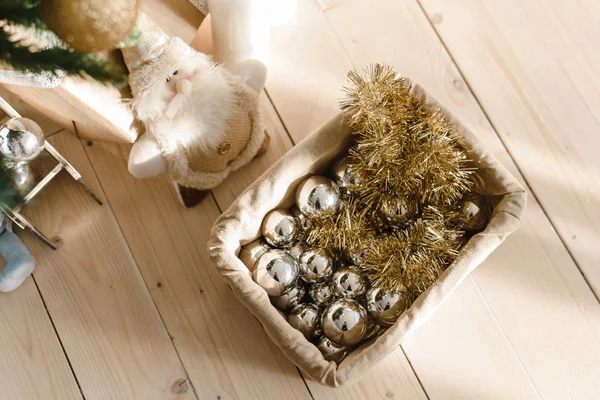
475	212
343	175
297	249
315	266
252	251
397	213
348	282
21	140
385	307
301	220
345	322
275	271
305	318
279	228
332	351
290	298
317	196
321	293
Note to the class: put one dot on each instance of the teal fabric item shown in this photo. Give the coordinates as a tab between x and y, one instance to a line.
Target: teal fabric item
19	261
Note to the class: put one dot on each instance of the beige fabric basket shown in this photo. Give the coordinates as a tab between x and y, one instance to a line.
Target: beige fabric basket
241	223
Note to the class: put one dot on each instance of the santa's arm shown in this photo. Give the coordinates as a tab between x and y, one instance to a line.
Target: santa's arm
145	159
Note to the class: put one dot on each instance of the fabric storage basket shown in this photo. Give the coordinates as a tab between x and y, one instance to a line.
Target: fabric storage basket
241	223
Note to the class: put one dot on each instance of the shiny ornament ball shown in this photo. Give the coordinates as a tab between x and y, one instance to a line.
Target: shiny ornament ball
251	252
305	318
344	176
345	322
317	196
475	212
373	330
297	249
397	213
275	271
23	179
348	282
321	293
21	140
279	228
315	266
332	351
301	220
90	25
385	307
290	298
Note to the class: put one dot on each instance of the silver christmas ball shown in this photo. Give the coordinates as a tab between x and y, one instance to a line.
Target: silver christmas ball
21	140
385	307
290	298
252	251
275	271
317	196
397	213
332	351
475	212
345	322
279	228
297	249
315	266
321	293
23	179
301	220
348	282
343	175
305	318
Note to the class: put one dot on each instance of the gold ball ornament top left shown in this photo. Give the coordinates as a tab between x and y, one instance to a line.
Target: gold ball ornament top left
90	25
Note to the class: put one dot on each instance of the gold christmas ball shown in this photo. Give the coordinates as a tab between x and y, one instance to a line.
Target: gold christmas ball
90	25
475	212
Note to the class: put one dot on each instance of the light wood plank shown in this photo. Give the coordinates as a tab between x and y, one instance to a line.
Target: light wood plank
224	349
534	67
48	125
175	17
102	310
33	363
531	285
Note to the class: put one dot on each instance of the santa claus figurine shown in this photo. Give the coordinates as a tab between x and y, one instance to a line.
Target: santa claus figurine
202	121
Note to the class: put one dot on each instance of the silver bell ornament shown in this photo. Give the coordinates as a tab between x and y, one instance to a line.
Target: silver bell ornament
290	298
251	252
297	249
385	307
279	228
301	220
317	196
315	266
305	318
348	282
475	212
21	140
332	351
397	213
275	271
321	293
343	175
345	322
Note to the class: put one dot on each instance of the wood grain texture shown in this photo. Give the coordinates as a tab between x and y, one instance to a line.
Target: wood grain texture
33	363
102	310
532	287
224	349
534	67
175	17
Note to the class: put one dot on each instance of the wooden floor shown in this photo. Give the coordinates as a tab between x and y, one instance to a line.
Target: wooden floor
130	306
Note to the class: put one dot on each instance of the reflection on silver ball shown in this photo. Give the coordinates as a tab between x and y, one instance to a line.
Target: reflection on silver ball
21	139
343	175
275	271
385	307
345	322
321	293
348	282
397	213
305	318
475	212
317	196
290	298
297	249
23	179
279	228
332	351
315	266
252	251
301	220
